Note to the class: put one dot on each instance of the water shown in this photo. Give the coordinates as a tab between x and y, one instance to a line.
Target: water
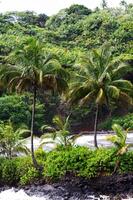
19	195
11	194
84	140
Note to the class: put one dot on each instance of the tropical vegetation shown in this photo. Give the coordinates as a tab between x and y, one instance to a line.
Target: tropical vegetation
60	76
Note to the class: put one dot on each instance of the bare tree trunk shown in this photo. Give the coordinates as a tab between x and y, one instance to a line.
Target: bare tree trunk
32	129
117	165
95	126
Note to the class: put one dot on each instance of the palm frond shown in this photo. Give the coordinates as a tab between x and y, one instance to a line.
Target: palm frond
100	97
113	91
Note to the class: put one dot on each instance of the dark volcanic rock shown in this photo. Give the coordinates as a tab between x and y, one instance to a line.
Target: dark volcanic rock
74	188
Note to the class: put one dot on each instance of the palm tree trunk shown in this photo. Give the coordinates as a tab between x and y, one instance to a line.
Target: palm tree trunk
95	126
32	129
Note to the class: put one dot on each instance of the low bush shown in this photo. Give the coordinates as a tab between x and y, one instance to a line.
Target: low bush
126	162
29	177
17	171
25	171
101	163
8	172
79	161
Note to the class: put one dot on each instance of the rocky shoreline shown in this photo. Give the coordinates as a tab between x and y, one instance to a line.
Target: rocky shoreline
113	187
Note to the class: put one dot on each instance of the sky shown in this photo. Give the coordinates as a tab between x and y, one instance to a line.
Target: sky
50	7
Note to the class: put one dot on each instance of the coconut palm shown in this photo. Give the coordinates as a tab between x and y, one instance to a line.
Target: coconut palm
98	79
33	70
119	140
59	134
11	141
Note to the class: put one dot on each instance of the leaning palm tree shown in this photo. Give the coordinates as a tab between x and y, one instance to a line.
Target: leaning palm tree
11	141
32	70
98	79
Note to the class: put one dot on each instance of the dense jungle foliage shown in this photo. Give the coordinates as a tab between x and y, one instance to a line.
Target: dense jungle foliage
69	34
65	74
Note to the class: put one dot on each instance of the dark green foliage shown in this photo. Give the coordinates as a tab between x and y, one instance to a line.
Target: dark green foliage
17	170
72	27
67	16
17	109
78	10
125	121
126	162
8	172
2	159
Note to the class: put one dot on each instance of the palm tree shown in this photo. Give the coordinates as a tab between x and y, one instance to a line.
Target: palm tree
119	140
11	141
98	80
33	70
60	134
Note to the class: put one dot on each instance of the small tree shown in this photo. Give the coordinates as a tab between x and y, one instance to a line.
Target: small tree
11	141
119	140
59	134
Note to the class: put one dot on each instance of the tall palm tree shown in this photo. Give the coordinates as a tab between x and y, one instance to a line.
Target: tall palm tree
33	70
98	79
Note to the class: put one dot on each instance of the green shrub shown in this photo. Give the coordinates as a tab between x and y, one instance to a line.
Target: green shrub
9	172
23	165
125	121
40	154
101	162
80	161
126	162
29	177
25	171
54	166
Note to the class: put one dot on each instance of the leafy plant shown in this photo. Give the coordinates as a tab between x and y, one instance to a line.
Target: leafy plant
29	177
79	161
11	142
60	135
8	172
119	140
